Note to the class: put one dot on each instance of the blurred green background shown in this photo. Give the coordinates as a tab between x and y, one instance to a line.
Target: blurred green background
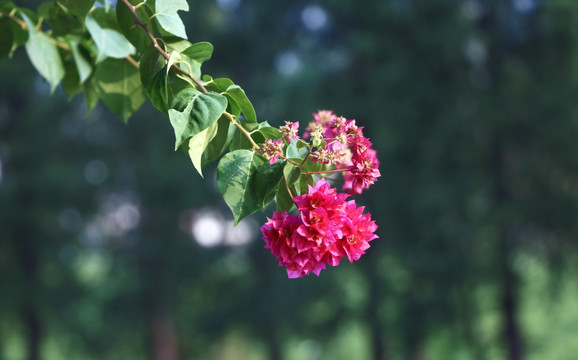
113	247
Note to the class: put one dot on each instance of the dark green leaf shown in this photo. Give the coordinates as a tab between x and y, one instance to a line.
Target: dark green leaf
283	198
291	173
166	14
219	84
234	174
270	132
61	20
302	185
192	112
90	90
119	87
219	143
71	83
135	34
6	37
200	52
151	62
156	89
266	180
239	96
78	7
44	55
240	140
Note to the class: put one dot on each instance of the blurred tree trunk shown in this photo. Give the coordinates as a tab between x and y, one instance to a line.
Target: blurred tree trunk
507	277
166	343
510	305
29	311
378	347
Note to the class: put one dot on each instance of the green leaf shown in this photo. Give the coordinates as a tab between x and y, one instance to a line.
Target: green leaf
81	58
239	96
192	112
71	83
61	20
44	55
199	143
240	141
291	173
219	143
156	89
109	43
266	180
151	62
135	34
78	7
219	84
234	174
174	43
166	14
119	87
283	199
90	91
6	37
302	185
162	85
269	132
199	52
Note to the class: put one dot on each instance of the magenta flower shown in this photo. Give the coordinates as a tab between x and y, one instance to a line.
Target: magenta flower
327	229
363	172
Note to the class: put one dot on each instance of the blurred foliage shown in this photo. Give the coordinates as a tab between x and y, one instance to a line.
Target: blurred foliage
472	106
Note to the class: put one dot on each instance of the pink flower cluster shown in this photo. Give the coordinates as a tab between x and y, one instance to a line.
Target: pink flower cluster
346	147
272	149
327	228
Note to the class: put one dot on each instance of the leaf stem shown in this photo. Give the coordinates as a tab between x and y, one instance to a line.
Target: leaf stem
132	61
10	15
287	187
243	130
323	171
291	161
142	25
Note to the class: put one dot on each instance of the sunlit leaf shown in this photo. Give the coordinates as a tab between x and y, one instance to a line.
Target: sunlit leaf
81	59
109	43
168	18
44	55
199	143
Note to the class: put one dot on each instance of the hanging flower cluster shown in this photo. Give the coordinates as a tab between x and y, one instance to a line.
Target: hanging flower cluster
327	227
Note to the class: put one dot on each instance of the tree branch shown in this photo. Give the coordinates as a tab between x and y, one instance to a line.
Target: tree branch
141	24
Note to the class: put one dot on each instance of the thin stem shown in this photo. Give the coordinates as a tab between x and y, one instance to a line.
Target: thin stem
323	171
20	22
243	130
287	187
310	148
132	61
290	161
139	22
